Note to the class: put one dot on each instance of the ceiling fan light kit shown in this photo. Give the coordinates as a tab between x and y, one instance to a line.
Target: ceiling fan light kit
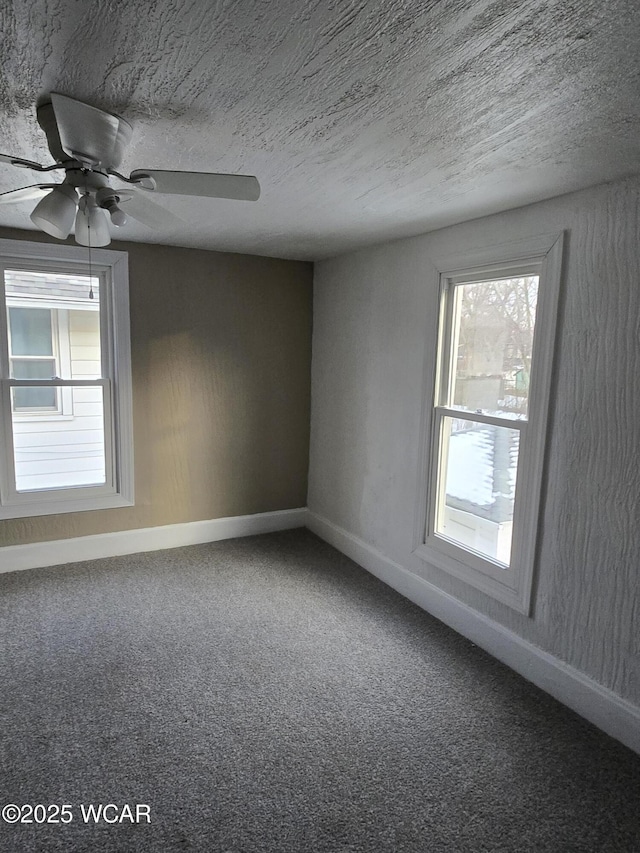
88	144
56	212
92	224
106	199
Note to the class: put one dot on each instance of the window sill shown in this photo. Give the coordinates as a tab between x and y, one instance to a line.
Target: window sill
40	419
502	584
33	509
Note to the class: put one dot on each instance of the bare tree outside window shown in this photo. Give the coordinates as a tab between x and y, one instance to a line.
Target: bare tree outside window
494	322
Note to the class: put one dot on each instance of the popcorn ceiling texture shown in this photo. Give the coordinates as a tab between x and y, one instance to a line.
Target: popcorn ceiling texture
363	119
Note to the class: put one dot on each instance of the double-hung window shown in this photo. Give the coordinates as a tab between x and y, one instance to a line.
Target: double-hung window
487	418
65	380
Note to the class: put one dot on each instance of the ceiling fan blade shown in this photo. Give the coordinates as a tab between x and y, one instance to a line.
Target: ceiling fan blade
139	207
20	161
206	184
90	134
37	191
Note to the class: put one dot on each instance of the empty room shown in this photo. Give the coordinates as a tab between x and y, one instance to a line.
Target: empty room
320	426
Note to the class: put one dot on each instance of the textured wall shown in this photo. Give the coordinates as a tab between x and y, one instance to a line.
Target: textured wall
221	348
374	312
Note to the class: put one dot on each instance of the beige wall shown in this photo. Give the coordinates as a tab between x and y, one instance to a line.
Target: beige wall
221	350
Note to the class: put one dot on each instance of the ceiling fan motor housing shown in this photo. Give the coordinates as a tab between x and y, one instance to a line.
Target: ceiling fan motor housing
78	131
47	121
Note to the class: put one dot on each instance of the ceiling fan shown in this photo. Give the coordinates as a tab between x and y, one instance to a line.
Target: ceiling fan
88	144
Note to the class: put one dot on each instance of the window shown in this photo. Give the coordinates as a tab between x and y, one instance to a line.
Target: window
65	380
487	419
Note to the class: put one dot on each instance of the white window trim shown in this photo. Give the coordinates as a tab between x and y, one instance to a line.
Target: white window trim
116	356
511	585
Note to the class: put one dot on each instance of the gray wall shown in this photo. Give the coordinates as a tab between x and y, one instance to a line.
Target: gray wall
221	348
374	314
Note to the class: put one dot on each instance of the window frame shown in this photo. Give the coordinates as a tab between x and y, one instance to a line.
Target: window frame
111	267
511	584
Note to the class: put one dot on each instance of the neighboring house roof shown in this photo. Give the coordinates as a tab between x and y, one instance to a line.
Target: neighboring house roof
50	286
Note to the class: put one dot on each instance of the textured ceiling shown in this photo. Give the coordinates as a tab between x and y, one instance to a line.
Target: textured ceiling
364	120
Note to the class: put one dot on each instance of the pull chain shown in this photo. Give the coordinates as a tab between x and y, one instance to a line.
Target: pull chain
87	211
90	276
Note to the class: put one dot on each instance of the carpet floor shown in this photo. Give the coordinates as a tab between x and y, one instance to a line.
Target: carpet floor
266	695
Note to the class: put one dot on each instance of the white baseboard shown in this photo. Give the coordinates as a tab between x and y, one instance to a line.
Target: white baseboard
38	554
602	707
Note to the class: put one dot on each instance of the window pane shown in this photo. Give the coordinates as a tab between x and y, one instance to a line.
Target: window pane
76	301
493	338
84	345
30	399
478	477
30	331
35	399
65	452
33	368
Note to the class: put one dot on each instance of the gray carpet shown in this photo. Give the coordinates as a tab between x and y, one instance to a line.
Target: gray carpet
266	694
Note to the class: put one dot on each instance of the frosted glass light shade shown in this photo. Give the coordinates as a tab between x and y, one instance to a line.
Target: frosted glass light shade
92	224
118	217
55	213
